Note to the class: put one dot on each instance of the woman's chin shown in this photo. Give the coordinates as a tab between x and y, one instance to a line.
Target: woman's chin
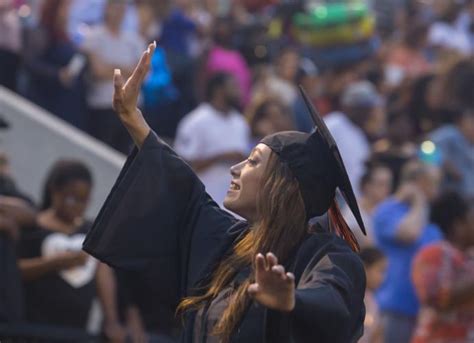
231	204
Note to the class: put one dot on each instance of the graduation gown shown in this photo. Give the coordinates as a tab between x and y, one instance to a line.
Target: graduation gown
158	215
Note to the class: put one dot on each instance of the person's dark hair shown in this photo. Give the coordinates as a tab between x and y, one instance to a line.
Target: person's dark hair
261	112
371	255
216	81
48	19
458	84
370	167
223	30
62	173
415	35
447	209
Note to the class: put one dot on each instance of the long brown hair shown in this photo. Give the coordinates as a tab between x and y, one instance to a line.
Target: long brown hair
280	228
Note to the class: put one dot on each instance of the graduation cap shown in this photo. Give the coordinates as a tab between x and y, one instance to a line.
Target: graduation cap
315	161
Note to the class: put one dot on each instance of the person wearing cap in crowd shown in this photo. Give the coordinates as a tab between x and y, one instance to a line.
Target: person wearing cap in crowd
270	277
361	105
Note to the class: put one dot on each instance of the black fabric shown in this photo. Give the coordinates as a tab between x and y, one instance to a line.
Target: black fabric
50	299
317	164
11	296
158	215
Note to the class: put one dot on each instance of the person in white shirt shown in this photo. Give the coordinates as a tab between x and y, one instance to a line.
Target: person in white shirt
108	47
362	106
214	136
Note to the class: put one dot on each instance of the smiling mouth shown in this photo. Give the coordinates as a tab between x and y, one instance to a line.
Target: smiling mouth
234	186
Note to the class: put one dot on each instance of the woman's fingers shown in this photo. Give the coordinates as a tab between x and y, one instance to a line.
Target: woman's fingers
118	85
141	70
280	271
260	263
253	289
272	260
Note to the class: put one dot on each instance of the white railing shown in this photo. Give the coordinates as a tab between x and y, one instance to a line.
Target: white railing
36	139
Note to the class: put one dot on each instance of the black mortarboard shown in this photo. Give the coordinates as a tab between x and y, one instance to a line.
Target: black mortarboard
315	161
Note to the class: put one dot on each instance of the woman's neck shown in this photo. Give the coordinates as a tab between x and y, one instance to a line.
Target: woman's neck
49	219
367	205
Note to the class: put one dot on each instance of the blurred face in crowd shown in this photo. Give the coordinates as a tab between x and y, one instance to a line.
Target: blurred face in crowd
274	119
287	65
400	130
376	122
379	186
376	274
246	181
115	13
464	231
70	201
466	125
231	92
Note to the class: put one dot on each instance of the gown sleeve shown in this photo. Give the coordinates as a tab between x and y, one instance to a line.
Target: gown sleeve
158	215
329	302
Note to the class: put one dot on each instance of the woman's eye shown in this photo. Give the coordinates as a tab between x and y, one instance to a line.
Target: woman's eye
251	161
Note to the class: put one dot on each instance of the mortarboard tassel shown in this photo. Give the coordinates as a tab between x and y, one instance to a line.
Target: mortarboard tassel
340	227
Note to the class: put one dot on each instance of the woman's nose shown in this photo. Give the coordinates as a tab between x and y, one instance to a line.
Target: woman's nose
235	169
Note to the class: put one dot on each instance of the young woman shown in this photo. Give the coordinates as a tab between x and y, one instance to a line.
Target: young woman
266	279
61	281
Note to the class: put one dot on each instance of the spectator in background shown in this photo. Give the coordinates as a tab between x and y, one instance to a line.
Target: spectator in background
402	228
215	136
10	44
109	47
280	82
456	144
60	280
375	187
54	65
308	77
361	104
397	147
224	58
16	213
443	275
375	265
266	117
407	58
87	13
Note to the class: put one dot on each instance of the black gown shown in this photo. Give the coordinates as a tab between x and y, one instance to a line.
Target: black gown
158	215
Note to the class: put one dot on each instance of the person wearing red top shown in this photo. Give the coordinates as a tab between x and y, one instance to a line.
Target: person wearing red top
443	274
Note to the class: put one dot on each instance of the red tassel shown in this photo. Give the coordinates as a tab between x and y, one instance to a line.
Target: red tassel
340	227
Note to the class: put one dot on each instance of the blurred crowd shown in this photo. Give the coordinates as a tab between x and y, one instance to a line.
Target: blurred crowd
393	79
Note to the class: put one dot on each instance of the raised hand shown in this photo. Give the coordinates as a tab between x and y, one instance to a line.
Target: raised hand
126	97
273	287
126	93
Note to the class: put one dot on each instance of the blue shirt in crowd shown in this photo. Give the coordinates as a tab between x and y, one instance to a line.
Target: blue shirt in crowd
456	149
397	293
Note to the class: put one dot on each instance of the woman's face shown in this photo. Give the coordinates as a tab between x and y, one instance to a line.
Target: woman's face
242	195
380	184
376	274
464	232
274	120
70	202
